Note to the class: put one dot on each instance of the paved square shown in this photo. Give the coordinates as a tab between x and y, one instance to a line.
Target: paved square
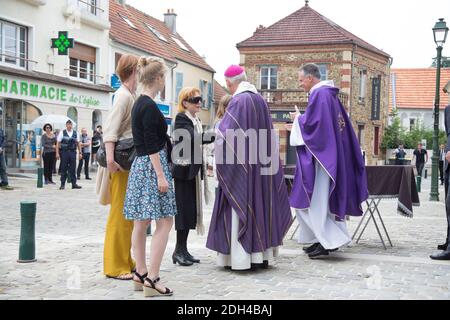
70	227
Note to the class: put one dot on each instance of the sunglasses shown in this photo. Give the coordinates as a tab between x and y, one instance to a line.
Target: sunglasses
48	128
195	100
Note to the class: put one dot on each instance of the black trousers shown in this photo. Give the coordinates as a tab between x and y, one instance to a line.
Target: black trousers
447	205
419	167
68	166
49	163
86	157
441	171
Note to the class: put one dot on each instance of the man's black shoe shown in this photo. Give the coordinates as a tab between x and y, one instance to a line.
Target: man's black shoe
88	178
62	188
312	248
320	251
75	186
442	247
441	256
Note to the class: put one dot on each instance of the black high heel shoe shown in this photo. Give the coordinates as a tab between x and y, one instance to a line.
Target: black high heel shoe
153	291
181	258
190	257
139	286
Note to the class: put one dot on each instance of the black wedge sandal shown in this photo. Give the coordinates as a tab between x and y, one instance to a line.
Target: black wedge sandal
139	286
153	291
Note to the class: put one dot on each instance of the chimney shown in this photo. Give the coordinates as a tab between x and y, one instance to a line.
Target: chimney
122	2
259	28
170	19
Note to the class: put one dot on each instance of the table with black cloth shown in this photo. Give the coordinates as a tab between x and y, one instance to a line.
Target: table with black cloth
383	182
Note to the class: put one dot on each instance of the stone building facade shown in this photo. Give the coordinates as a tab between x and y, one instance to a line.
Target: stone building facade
272	58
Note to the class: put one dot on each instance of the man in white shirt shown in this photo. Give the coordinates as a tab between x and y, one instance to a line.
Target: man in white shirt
68	142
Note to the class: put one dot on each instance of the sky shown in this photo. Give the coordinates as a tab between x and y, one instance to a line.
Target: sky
402	28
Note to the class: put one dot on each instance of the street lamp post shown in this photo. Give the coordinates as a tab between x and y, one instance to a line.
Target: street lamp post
440	32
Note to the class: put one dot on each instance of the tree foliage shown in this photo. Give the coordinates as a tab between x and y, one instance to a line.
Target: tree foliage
445	62
396	134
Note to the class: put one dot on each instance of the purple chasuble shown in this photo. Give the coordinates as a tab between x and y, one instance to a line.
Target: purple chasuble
329	138
260	201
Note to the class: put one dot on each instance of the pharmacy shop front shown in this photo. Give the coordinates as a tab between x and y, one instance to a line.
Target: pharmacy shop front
24	99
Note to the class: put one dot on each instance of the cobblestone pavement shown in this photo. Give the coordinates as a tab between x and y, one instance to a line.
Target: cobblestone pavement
69	247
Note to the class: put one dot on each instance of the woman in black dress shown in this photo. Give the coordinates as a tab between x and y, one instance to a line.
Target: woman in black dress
189	172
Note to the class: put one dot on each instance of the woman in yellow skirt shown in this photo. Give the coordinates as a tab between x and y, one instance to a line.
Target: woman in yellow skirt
112	181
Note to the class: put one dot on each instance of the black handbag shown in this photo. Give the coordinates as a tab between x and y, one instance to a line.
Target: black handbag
124	154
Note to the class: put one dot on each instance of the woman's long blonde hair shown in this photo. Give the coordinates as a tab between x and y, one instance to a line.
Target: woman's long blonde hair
223	104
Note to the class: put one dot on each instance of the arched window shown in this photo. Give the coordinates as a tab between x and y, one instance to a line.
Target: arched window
30	138
96	119
72	113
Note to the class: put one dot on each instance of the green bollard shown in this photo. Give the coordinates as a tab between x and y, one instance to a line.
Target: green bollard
418	184
149	230
27	248
40	173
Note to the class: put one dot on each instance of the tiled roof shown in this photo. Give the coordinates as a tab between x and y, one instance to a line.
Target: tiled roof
144	39
219	92
416	88
305	27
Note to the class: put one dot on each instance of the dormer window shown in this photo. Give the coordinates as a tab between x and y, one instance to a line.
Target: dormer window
180	44
128	21
156	32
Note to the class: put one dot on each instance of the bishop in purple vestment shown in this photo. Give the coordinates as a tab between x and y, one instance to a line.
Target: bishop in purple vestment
251	213
330	181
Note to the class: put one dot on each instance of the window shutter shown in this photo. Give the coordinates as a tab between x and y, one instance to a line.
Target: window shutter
210	95
82	52
200	87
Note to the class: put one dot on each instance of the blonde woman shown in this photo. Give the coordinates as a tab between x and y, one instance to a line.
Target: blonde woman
150	193
112	181
223	104
189	174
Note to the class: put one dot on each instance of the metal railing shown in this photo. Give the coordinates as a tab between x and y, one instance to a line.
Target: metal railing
88	74
16	58
281	97
92	8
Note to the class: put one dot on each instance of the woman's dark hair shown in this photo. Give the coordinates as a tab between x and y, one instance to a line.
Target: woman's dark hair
48	125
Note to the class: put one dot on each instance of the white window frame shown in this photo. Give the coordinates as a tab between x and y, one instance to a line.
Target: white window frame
18	57
128	21
91	71
180	44
326	71
269	76
362	85
156	32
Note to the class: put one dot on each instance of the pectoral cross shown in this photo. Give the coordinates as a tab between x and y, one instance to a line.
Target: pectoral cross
341	122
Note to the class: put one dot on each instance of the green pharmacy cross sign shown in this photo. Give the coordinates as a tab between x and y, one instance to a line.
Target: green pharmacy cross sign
62	43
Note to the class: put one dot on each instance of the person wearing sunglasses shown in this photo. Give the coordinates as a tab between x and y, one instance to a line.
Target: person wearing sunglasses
189	172
48	142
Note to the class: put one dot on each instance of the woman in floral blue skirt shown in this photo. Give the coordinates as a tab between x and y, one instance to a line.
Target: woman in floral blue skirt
150	193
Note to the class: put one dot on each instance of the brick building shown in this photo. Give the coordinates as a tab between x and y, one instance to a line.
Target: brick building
273	55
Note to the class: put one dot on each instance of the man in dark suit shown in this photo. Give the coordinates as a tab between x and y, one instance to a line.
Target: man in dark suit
445	255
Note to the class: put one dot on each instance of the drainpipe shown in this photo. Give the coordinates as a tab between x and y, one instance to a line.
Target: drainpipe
173	91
